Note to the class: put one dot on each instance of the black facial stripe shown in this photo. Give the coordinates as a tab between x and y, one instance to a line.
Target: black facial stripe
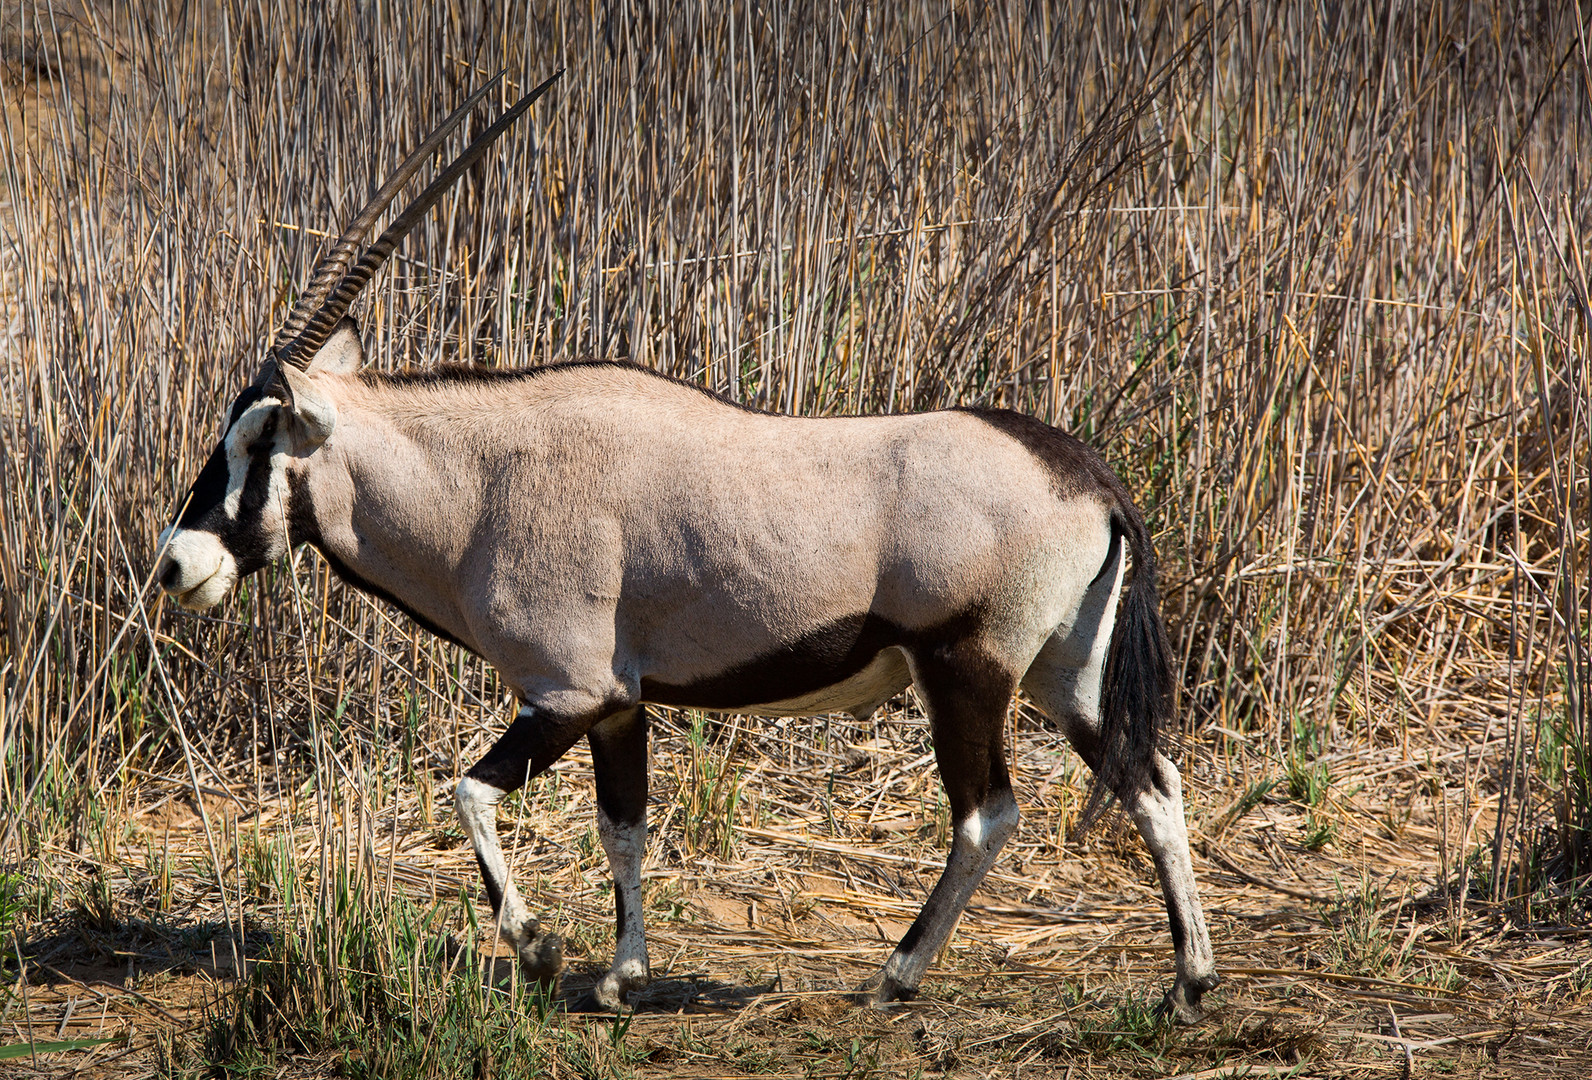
209	488
246	536
208	491
257	481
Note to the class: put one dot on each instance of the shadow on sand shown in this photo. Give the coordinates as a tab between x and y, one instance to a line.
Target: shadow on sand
666	994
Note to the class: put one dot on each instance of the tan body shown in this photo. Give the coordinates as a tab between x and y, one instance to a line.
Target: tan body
593	527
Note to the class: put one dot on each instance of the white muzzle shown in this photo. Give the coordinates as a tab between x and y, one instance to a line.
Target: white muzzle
195	568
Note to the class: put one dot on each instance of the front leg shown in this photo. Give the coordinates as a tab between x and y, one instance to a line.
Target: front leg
533	742
619	760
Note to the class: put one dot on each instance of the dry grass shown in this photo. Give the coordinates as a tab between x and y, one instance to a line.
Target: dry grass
1313	281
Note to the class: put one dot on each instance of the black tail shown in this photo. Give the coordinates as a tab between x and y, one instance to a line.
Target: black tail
1136	695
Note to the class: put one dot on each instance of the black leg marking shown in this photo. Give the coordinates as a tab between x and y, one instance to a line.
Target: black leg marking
1157	810
619	764
532	743
620	913
1071	680
528	748
966	694
1177	918
619	761
494	888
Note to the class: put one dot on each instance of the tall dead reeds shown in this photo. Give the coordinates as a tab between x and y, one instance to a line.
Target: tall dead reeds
1312	278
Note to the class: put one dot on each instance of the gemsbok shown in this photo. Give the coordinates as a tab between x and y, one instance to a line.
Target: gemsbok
608	537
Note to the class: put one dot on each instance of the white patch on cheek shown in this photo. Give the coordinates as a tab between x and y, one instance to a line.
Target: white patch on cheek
237	473
271	526
239	443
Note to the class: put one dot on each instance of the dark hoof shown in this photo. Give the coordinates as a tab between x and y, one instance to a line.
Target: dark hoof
542	959
881	990
1182	1003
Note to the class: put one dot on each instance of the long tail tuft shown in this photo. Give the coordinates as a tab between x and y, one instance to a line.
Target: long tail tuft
1136	698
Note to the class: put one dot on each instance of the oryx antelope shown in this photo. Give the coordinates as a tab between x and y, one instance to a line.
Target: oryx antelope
608	537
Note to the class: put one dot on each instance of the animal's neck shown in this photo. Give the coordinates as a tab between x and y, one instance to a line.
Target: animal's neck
392	515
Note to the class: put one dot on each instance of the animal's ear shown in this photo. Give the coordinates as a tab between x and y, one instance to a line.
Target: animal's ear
342	354
314	414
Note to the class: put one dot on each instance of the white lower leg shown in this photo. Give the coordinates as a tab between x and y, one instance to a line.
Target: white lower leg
974	849
477	806
625	845
1158	813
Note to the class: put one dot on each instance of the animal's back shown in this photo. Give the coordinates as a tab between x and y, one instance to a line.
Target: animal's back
894	514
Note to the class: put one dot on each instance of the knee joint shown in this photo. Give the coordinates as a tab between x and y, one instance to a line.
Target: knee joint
622	840
990	825
473	798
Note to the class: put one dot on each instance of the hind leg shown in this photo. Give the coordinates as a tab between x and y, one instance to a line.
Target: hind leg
1157	809
1064	681
966	695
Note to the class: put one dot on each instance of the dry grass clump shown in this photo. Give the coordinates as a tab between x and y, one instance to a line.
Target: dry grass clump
1312	278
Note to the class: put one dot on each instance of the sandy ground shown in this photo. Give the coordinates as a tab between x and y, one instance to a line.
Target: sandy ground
1341	955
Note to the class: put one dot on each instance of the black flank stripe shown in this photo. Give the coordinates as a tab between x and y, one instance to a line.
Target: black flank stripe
825	656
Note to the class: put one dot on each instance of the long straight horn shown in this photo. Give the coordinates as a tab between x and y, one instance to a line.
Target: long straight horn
330	269
336	306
